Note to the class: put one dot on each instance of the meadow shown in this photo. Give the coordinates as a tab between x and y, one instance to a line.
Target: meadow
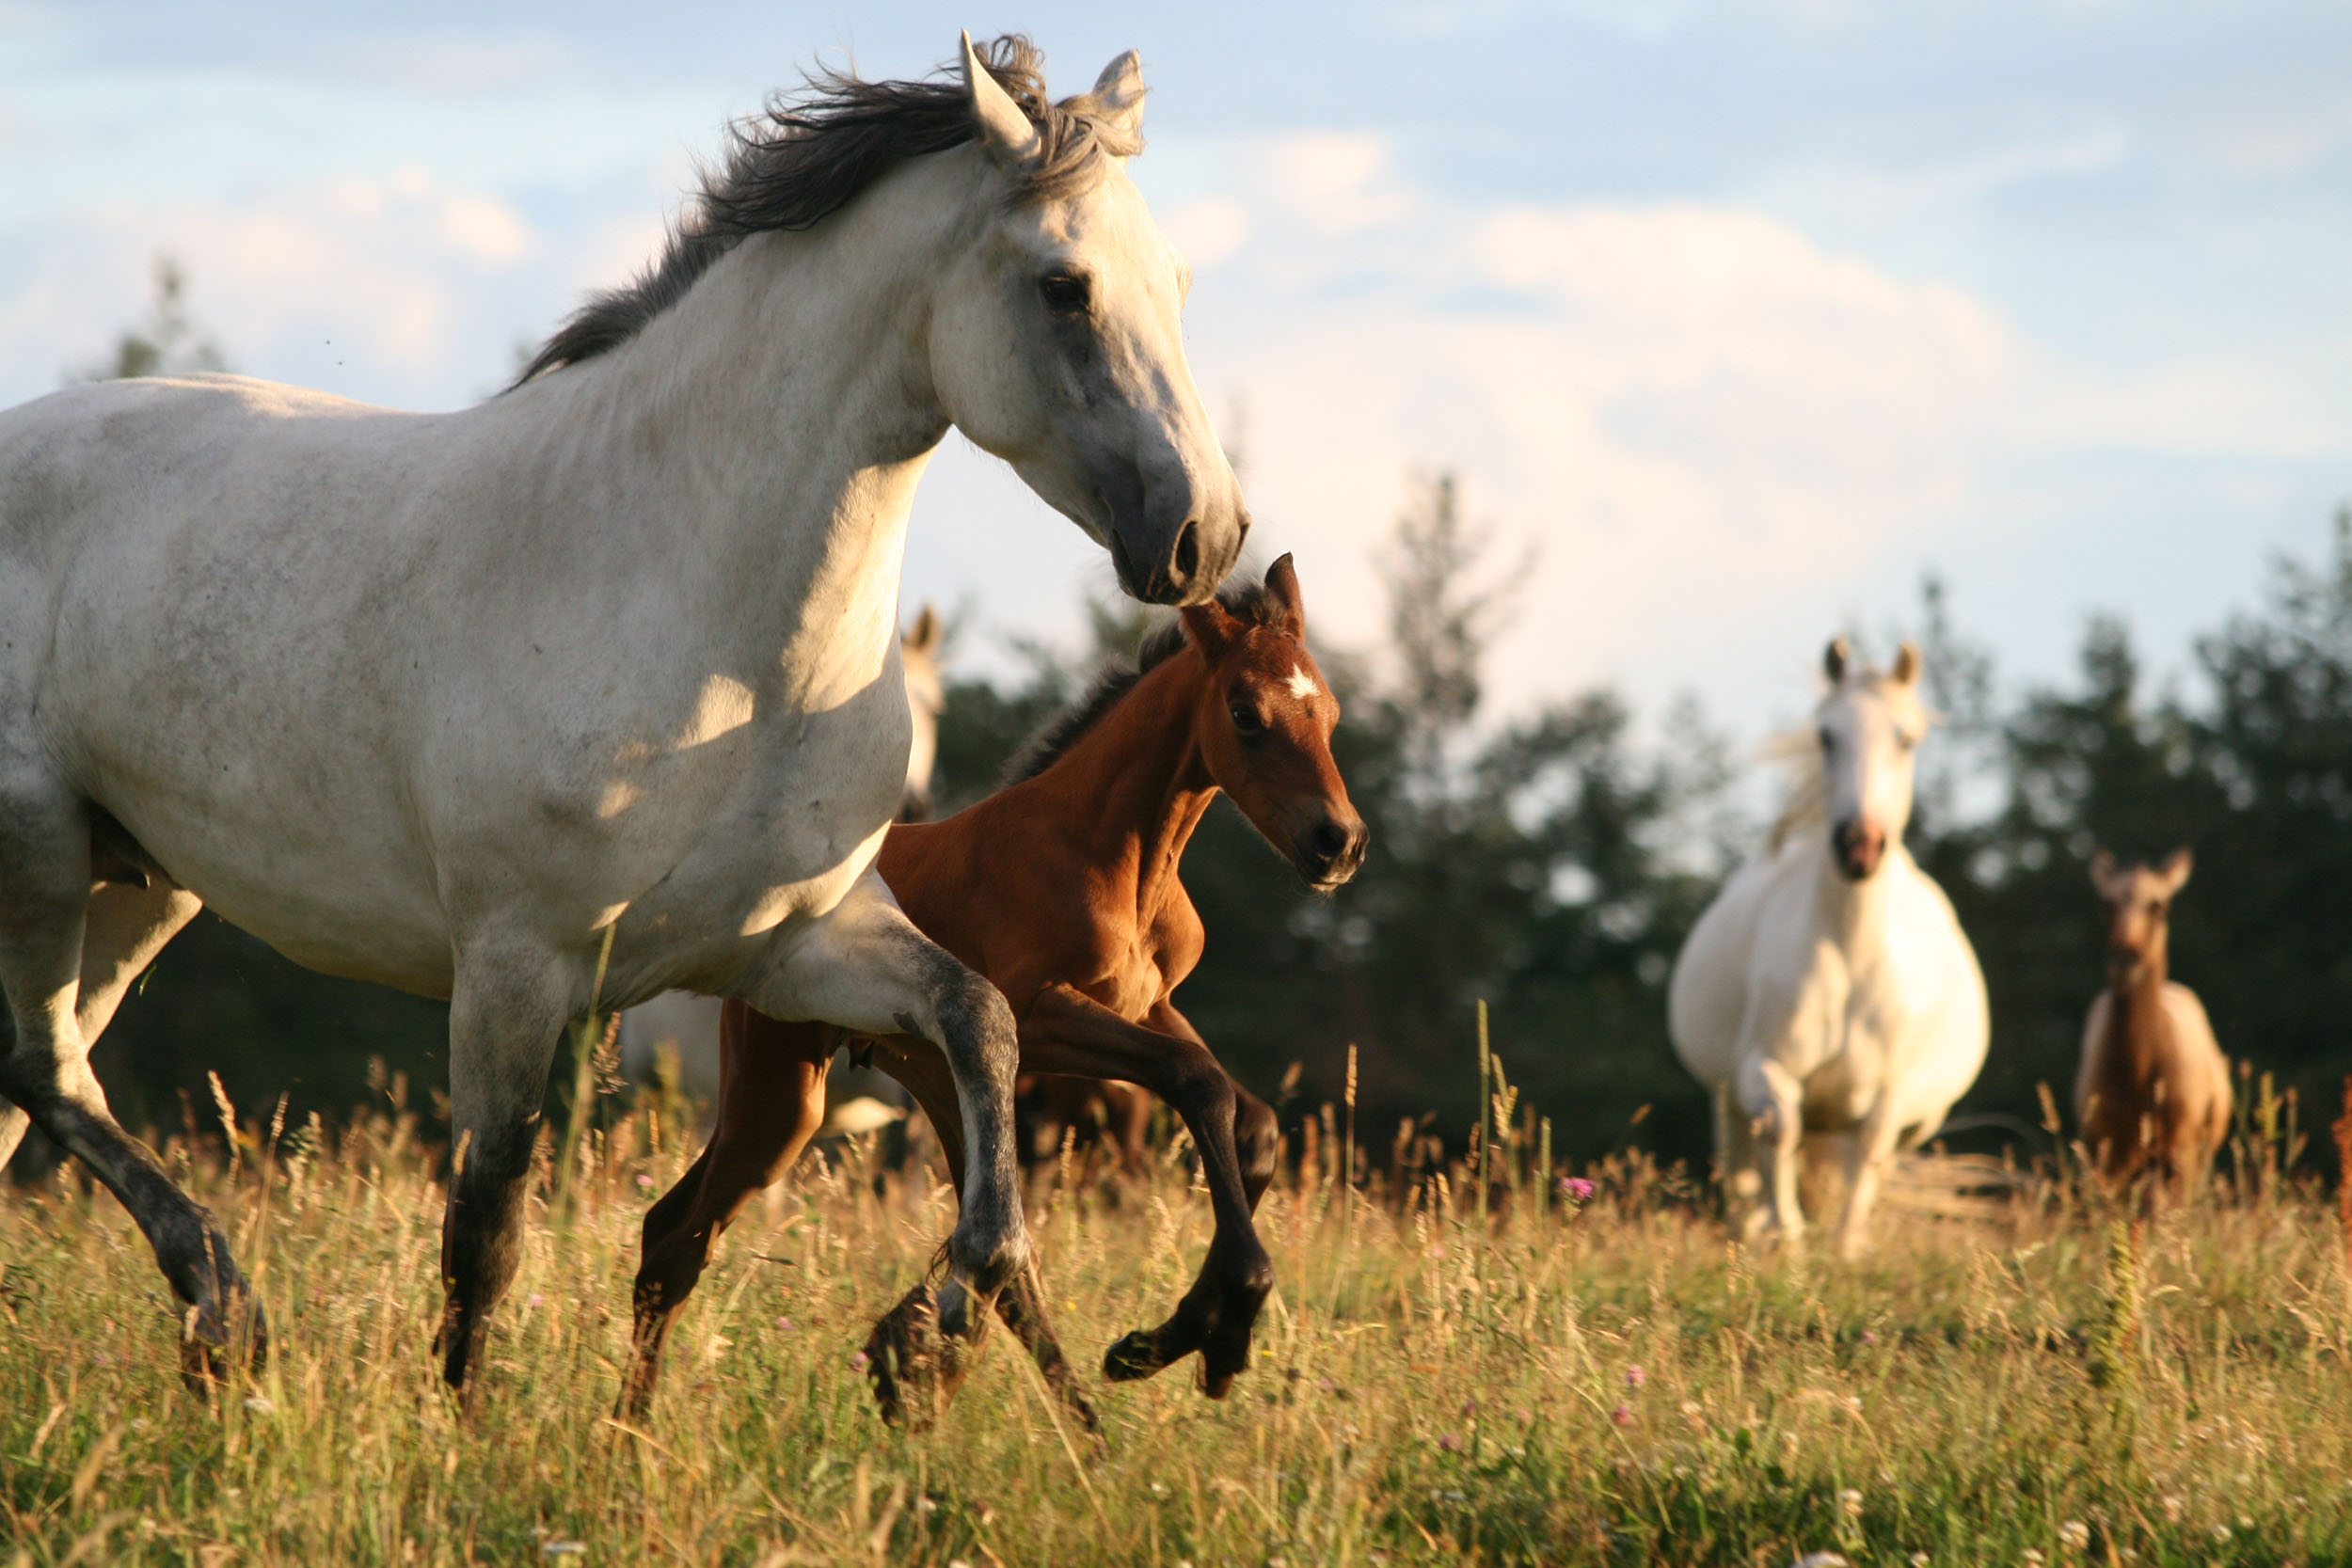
1553	1375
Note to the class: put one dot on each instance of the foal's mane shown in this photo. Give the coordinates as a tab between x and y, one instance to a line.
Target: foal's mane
811	154
1251	602
1807	804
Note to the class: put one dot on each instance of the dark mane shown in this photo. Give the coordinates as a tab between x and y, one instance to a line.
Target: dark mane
1249	603
812	153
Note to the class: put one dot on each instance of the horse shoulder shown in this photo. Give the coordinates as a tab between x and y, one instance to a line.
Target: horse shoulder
1707	995
2194	1044
1179	938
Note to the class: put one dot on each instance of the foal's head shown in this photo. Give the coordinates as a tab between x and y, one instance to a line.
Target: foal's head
1869	725
2138	900
1263	718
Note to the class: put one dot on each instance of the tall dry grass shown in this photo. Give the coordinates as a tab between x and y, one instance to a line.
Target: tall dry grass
1601	1381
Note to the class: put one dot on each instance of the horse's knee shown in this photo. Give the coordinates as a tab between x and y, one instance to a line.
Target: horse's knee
1257	1139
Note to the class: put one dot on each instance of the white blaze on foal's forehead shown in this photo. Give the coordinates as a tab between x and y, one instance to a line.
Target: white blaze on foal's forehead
1302	685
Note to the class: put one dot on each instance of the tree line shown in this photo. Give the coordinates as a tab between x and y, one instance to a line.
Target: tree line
1550	864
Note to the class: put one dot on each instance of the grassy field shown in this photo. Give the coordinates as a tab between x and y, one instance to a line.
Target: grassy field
1602	1382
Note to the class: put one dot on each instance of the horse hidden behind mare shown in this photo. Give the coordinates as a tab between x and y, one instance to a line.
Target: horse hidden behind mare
2153	1096
1828	990
1063	889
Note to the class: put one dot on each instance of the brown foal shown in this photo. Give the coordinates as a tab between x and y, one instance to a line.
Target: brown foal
1063	889
2152	1095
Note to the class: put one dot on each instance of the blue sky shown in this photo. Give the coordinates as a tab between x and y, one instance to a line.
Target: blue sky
1741	313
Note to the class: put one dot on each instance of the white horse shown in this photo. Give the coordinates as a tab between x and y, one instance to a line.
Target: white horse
685	1027
1828	989
598	677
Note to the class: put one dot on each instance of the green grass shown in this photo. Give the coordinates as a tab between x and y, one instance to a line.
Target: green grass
1610	1385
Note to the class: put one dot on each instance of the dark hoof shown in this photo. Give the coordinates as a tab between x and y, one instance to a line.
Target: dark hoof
1137	1356
212	1350
914	1370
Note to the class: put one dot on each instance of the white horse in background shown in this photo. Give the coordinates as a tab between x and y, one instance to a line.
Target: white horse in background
1828	990
591	691
684	1027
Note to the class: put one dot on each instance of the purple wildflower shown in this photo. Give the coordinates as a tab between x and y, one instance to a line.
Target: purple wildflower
1623	1415
1576	1189
1634	1376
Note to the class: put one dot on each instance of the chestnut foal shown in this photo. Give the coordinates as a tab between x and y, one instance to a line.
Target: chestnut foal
2153	1096
1063	889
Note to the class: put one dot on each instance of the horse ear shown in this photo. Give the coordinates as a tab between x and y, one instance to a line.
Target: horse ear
924	635
1119	97
2175	869
997	122
2102	869
1212	627
1281	580
1833	660
1907	664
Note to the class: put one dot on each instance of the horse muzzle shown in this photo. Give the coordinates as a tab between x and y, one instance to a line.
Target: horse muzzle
1331	852
1857	848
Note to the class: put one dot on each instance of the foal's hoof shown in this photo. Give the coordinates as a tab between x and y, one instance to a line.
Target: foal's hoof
1137	1355
914	1370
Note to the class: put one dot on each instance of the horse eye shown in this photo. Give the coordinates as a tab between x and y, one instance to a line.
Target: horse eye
1064	293
1828	739
1246	719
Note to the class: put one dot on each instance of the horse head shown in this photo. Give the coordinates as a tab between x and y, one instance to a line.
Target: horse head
2138	899
1057	339
1263	721
1869	726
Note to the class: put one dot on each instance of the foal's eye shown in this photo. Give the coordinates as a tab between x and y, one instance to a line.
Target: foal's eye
1828	739
1246	719
1064	293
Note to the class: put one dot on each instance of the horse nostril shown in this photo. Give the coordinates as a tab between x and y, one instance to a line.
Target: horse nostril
1329	841
1185	561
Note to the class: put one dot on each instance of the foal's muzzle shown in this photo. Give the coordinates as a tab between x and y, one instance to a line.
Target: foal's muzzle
1332	850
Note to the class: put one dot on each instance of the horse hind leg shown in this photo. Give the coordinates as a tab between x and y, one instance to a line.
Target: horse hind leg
771	1101
56	936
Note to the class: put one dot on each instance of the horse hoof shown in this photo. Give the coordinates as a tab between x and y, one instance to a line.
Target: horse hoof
1136	1357
913	1370
211	1351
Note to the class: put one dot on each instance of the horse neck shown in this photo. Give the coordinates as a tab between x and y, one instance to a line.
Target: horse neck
2137	1019
1138	784
753	450
1856	913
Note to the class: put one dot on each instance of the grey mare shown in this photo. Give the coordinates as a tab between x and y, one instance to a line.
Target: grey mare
464	703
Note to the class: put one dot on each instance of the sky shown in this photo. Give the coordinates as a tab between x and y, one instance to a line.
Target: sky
1735	317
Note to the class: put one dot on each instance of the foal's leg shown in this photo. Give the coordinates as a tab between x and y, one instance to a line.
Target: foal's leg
865	967
1066	1032
507	1010
52	932
1022	1303
771	1101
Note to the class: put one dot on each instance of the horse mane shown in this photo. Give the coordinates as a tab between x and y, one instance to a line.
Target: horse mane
1807	804
811	154
1251	603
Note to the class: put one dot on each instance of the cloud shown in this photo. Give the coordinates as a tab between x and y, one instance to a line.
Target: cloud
385	279
1710	425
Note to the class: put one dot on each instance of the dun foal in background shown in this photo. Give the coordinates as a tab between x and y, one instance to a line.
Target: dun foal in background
1063	889
2153	1096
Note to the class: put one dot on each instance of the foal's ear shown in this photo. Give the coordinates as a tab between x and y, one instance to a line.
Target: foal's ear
1906	663
2102	871
923	636
2175	870
1212	627
997	122
1118	98
1833	660
1281	580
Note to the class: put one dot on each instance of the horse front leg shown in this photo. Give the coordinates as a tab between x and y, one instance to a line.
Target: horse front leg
1773	1102
771	1102
1066	1032
866	968
1021	1304
1870	1153
507	1011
